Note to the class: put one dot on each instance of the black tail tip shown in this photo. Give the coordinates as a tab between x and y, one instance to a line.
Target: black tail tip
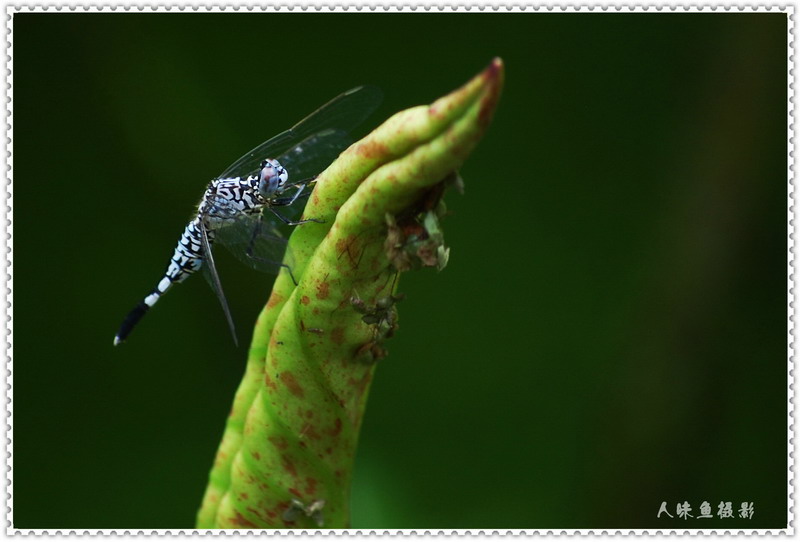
130	321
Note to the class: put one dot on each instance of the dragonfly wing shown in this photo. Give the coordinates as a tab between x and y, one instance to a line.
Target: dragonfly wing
213	278
248	164
257	242
342	113
313	154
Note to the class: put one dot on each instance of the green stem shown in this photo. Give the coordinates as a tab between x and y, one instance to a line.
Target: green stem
287	453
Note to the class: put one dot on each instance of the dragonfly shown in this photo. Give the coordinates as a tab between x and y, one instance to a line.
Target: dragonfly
240	208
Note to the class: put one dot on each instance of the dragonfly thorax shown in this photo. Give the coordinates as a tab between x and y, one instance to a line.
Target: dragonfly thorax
272	178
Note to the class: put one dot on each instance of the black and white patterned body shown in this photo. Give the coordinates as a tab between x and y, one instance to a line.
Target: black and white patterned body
233	204
224	203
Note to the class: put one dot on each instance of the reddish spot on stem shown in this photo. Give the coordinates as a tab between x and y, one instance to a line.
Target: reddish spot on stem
243	497
305	300
311	486
309	430
337	428
337	335
371	149
288	466
241	521
255	513
296	493
436	111
274	299
248	429
347	246
257	456
280	442
292	385
268	382
323	290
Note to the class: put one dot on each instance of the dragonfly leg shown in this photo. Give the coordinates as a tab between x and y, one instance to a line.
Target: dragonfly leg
292	222
251	244
283	202
301	186
296	194
271	262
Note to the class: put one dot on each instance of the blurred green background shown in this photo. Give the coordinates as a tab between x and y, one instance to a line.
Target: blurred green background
610	333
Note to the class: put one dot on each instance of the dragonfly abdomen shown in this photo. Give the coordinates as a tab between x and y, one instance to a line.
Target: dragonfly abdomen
186	260
239	195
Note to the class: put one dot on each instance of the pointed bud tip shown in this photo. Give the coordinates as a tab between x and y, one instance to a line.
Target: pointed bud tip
495	67
493	77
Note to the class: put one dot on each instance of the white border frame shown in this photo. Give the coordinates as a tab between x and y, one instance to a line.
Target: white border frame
365	5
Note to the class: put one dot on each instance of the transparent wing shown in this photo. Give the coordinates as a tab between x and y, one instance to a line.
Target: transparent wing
312	155
210	271
257	242
340	115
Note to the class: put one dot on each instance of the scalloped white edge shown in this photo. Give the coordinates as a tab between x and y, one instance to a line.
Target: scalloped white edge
430	6
790	252
7	219
393	7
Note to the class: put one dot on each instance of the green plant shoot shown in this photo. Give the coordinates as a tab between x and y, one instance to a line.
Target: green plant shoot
286	456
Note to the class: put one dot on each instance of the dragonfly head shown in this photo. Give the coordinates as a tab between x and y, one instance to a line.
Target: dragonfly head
272	178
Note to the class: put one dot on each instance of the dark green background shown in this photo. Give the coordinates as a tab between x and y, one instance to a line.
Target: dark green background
611	330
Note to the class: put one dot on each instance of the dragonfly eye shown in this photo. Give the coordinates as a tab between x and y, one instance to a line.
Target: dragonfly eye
272	178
